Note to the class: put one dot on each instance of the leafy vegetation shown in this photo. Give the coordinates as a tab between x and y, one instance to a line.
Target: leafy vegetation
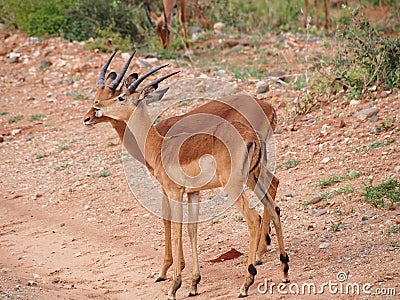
102	174
37	117
368	58
376	195
324	183
14	119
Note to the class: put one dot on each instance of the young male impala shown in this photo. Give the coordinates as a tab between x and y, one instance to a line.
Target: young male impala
107	88
251	154
162	25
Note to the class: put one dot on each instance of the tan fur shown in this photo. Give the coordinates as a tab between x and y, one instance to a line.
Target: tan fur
153	140
164	30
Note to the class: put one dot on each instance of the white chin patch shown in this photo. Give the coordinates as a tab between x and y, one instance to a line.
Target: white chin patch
99	113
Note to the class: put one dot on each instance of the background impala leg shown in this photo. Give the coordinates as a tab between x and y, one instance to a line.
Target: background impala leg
193	212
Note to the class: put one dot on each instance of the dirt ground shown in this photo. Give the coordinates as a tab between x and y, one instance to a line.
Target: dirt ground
70	227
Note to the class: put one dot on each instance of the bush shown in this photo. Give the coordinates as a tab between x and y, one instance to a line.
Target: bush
76	19
367	59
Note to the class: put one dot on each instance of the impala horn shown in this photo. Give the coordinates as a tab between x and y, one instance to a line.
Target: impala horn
103	71
133	86
157	81
113	85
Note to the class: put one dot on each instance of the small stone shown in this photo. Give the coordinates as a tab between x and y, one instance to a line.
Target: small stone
231	43
354	102
321	212
374	118
310	227
1	138
31	283
237	48
383	94
15	131
365	218
315	200
324	245
325	160
311	211
262	88
86	207
218	27
14	57
36	276
45	64
366	113
375	129
222	73
397	170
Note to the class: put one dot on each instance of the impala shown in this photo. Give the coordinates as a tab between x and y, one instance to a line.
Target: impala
162	25
107	90
328	22
251	155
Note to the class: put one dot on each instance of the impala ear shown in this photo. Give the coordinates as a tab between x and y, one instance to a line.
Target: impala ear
131	78
156	95
111	77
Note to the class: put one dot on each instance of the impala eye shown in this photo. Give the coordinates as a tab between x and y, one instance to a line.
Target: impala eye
121	98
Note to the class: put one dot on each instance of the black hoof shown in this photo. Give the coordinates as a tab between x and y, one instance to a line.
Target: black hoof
159	279
192	294
242	296
259	263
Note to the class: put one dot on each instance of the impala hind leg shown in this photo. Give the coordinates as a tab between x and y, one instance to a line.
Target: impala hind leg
253	223
193	213
258	185
265	239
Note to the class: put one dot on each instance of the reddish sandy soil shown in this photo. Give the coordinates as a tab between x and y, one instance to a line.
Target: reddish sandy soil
68	233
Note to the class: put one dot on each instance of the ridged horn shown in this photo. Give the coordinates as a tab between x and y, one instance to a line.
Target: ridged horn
113	85
157	81
101	81
133	86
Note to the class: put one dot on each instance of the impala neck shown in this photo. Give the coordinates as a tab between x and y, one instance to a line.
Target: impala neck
127	139
148	139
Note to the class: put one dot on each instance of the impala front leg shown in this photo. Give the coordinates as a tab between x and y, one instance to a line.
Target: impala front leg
177	215
166	211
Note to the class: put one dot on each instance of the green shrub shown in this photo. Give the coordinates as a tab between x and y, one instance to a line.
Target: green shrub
76	19
389	190
367	59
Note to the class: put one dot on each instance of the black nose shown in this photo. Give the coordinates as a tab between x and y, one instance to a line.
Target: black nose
86	120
